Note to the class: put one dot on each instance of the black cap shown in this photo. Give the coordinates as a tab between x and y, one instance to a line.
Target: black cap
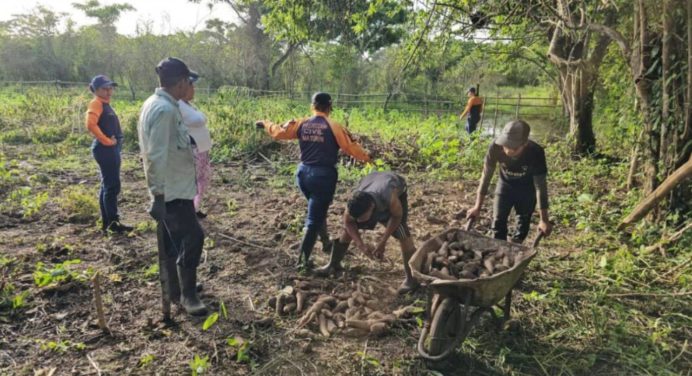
471	90
322	99
172	67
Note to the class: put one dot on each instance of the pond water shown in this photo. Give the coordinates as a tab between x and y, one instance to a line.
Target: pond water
544	128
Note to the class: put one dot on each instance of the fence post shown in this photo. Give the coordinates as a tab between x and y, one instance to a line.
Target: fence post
516	113
480	127
497	105
425	104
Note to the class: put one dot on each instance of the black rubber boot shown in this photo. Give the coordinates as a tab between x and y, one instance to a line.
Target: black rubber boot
338	252
119	228
189	299
306	246
324	238
169	276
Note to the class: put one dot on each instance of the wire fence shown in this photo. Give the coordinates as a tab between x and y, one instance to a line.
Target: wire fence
497	109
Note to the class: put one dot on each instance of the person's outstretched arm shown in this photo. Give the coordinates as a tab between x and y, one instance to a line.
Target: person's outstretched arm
347	144
285	131
396	214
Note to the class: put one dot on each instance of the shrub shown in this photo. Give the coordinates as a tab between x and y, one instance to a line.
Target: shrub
79	204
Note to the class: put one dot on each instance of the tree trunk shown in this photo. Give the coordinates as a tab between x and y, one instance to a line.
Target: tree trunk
667	82
643	86
578	67
634	162
688	121
585	141
260	53
289	50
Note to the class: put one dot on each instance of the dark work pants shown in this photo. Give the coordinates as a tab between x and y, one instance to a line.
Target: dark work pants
183	236
108	159
471	125
524	204
318	184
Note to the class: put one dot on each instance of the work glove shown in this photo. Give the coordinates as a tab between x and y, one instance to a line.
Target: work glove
157	210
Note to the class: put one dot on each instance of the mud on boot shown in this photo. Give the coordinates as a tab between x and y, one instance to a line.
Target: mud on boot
189	299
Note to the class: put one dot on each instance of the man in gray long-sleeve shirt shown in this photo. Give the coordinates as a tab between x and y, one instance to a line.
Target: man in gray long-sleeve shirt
522	182
169	168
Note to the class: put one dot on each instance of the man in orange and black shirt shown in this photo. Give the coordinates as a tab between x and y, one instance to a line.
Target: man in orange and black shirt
473	110
320	139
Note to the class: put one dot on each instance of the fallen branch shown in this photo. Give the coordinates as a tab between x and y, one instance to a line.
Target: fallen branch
668	240
650	201
671	271
94	364
244	242
272	164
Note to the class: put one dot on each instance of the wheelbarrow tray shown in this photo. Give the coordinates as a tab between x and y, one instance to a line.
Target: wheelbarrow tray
485	291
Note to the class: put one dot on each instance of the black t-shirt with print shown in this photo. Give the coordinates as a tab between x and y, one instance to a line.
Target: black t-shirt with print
517	173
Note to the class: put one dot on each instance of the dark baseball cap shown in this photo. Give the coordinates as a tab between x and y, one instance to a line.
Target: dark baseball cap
322	99
471	90
514	134
172	67
101	81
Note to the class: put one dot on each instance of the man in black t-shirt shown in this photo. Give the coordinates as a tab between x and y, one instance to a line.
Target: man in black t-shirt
522	182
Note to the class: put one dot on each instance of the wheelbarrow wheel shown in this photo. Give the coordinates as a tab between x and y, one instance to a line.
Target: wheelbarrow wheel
445	327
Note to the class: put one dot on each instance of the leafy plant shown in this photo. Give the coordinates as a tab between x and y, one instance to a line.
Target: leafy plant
61	346
145	226
369	359
210	321
21	198
79	204
241	348
152	271
199	365
146	360
44	276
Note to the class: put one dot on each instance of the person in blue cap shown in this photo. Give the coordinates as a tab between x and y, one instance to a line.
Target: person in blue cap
169	169
103	124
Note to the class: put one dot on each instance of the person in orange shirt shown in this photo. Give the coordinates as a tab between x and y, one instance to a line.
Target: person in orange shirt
473	110
320	139
103	124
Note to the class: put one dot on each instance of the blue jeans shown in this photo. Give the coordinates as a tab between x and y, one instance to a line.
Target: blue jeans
108	159
318	184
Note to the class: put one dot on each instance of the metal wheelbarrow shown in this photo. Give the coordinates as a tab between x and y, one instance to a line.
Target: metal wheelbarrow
455	306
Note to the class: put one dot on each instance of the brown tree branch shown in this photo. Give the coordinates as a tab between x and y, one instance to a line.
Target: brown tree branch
615	36
650	201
